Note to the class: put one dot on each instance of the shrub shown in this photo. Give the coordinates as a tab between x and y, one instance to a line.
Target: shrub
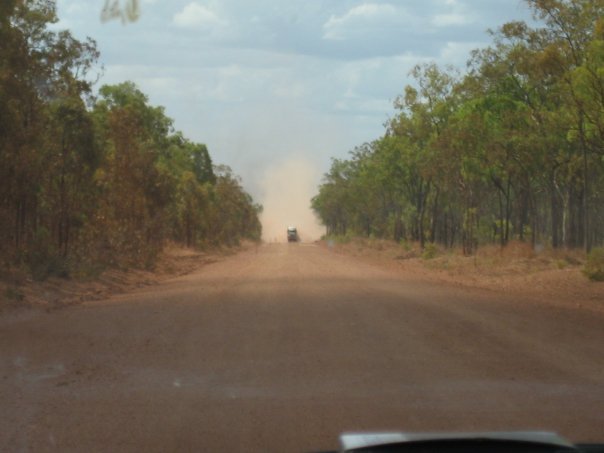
43	259
429	251
594	267
342	238
405	245
13	293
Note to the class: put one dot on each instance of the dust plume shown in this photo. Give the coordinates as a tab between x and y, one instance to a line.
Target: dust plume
287	189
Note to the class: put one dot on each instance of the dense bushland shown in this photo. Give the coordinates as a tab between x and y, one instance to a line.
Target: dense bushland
511	149
88	179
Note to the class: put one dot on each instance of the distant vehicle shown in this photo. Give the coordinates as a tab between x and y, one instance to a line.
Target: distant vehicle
292	234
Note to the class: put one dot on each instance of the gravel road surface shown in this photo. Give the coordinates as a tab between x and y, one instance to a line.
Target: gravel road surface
284	347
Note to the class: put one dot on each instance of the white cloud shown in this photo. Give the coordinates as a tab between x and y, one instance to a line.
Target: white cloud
195	15
231	70
365	14
258	81
74	8
455	14
445	20
286	89
457	53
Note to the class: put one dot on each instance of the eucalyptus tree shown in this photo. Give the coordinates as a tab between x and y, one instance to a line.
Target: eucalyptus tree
573	29
512	150
424	115
45	146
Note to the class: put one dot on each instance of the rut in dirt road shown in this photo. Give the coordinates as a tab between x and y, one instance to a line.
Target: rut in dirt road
283	348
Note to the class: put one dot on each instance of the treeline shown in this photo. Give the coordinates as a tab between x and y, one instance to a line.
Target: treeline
511	149
99	179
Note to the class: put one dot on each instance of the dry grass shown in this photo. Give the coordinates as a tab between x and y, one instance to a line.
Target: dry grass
18	290
516	258
546	274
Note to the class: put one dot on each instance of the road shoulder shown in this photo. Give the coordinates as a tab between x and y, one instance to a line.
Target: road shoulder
521	275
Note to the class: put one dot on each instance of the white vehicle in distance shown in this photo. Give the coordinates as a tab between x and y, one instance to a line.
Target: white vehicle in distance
292	234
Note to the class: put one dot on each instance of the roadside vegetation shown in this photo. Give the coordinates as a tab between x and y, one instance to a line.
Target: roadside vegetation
91	180
544	274
511	150
516	257
594	268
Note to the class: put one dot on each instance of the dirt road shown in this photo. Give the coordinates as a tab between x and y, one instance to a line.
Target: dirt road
283	348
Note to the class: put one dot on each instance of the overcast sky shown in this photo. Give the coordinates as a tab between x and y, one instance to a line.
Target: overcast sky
264	82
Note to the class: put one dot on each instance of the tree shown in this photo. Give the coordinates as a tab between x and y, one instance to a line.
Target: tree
105	180
511	150
42	85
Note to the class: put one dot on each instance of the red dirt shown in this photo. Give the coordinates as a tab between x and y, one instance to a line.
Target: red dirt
516	270
20	292
284	347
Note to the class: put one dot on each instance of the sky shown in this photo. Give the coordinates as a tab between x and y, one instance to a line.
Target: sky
272	86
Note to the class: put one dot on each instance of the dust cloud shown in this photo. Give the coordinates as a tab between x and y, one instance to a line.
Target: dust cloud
287	188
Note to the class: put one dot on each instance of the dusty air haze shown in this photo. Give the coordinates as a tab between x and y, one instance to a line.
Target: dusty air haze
287	188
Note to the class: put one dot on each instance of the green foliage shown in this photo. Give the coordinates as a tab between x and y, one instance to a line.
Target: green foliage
511	150
93	182
594	267
42	259
430	251
404	243
13	293
160	185
339	238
